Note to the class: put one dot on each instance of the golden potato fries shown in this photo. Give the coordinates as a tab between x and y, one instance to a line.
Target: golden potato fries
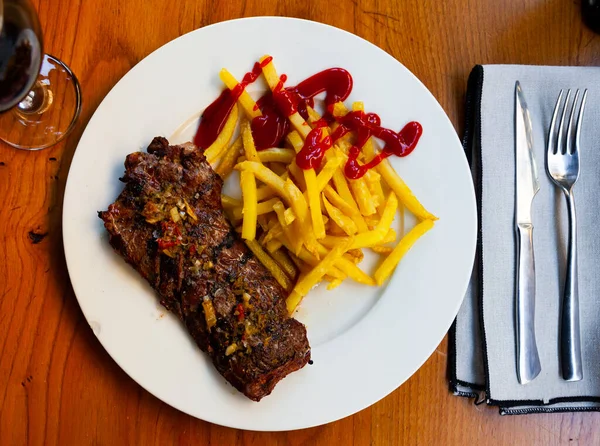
327	172
213	152
248	185
285	262
225	167
262	208
248	141
344	222
314	203
400	188
273	245
247	103
269	72
273	155
312	226
363	196
392	260
229	202
375	237
270	264
315	275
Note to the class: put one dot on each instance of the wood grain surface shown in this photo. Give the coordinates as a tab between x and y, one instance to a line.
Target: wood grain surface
57	384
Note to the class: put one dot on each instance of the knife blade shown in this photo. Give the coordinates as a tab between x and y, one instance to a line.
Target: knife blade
527	186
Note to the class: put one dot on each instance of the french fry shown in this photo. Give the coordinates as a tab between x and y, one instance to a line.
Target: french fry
348	267
347	209
339	110
248	185
270	264
261	208
402	229
298	175
273	245
327	172
263	222
297	201
372	220
230	202
217	148
296	120
363	196
314	203
354	272
302	266
278	168
403	192
382	249
374	237
313	115
356	255
373	180
273	155
295	244
269	72
274	232
341	185
344	222
358	106
334	284
285	262
312	260
294	139
335	230
228	160
248	141
313	277
263	192
390	263
389	237
289	216
300	124
247	103
267	176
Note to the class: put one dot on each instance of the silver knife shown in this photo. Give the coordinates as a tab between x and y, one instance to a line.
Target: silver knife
527	185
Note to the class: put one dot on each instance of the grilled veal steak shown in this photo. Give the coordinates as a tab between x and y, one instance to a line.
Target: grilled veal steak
168	223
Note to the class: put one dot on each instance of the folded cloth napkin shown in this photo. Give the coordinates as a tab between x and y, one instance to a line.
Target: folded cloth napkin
482	340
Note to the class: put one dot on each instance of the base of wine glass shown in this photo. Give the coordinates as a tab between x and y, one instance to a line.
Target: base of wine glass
47	114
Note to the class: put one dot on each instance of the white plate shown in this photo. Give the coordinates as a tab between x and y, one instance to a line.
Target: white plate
365	341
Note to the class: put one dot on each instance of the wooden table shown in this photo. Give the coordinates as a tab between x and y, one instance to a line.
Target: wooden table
59	386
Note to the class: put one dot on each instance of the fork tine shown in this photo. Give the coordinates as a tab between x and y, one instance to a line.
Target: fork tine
579	119
551	138
561	127
570	136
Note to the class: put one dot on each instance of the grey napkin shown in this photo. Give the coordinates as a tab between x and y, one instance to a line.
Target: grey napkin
482	341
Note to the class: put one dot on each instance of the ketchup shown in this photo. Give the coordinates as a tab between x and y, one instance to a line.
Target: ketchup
270	129
336	82
399	144
215	115
314	149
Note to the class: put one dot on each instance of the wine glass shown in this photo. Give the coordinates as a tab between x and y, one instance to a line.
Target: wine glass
40	97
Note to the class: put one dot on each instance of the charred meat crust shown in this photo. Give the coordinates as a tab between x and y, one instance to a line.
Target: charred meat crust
168	223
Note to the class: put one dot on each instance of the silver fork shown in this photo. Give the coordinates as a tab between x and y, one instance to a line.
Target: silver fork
562	163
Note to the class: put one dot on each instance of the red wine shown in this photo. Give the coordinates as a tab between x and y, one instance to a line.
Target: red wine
590	10
21	52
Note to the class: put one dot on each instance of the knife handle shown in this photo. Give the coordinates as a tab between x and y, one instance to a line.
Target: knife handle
528	359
